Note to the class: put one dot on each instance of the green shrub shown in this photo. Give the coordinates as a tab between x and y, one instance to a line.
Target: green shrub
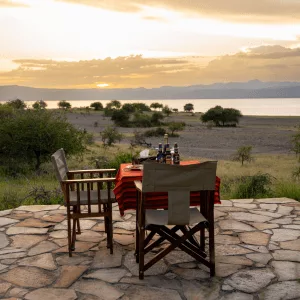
243	154
141	120
288	190
256	186
155	132
110	136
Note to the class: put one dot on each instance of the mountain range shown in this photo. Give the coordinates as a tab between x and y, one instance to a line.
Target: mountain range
231	90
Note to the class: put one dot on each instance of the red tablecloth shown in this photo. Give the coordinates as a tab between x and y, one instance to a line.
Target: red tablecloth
125	191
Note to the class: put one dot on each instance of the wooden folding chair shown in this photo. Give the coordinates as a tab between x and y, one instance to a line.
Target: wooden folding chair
85	197
179	181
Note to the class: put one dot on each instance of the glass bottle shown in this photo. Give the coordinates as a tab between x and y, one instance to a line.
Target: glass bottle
168	156
176	156
159	155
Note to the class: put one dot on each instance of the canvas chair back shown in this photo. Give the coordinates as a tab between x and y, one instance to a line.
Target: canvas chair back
179	181
60	164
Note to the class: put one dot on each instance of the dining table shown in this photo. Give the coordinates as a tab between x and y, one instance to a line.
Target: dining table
125	191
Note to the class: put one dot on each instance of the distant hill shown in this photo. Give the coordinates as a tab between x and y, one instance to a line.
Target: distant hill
231	90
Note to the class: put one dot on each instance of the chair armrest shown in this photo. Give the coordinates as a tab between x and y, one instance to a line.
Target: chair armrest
138	185
91	171
89	180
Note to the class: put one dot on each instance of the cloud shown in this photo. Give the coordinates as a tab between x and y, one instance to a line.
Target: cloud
245	11
266	63
9	3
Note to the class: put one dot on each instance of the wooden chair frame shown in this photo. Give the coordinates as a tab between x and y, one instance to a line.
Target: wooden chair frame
185	242
76	188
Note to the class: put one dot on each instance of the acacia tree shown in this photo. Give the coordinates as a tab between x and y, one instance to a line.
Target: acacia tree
175	126
166	110
156	105
30	137
222	116
64	104
17	104
243	154
41	104
188	107
97	105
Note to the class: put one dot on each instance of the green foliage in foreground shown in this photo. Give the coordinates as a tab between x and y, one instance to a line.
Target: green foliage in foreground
29	137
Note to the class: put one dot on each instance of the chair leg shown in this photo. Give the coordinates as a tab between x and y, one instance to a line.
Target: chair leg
212	249
202	239
74	234
141	252
106	220
78	227
137	243
69	237
110	228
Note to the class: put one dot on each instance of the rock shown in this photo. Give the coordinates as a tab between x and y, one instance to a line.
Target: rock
281	290
292	245
285	210
26	230
191	274
4	287
297	227
234	260
224	203
250	281
103	259
243	216
17	292
282	221
97	288
5	212
262	258
7	221
208	290
157	269
267	213
125	225
109	275
261	249
243	201
74	260
80	247
84	224
68	275
269	206
9	253
245	205
287	255
50	294
124	239
34	223
275	200
263	226
29	277
178	257
231	250
226	239
35	208
90	236
286	270
218	214
59	234
44	261
282	235
42	247
147	293
3	240
26	241
121	231
100	227
235	225
53	218
2	267
224	270
237	296
255	238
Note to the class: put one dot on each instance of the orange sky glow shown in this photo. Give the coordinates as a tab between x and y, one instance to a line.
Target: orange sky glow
149	43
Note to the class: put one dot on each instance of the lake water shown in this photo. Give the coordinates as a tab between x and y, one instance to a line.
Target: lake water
261	107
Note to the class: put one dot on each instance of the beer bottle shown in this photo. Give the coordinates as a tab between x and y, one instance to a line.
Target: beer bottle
176	156
168	156
159	155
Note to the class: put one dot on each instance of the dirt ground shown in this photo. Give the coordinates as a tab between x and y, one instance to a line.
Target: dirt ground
267	135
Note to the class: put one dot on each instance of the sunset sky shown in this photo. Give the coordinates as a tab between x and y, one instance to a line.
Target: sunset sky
147	43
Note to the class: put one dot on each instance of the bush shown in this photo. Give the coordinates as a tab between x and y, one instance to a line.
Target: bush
139	140
243	154
120	118
110	136
64	104
41	104
97	105
175	126
156	118
256	186
30	137
141	120
155	132
17	104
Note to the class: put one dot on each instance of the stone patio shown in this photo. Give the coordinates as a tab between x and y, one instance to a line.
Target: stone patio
257	257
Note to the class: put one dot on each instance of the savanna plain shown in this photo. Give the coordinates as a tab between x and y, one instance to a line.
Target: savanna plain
271	170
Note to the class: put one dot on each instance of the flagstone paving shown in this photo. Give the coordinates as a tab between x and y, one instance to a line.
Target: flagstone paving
257	257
